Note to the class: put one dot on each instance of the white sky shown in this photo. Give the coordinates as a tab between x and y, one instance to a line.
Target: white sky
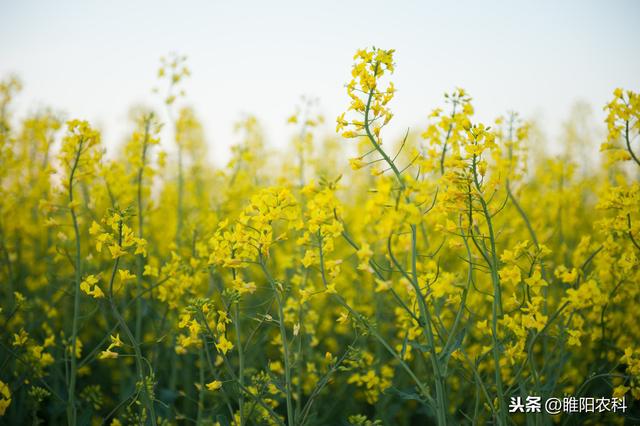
94	59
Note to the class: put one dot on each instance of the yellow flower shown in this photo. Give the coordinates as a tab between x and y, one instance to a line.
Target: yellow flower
510	274
276	367
116	251
107	354
5	397
125	275
115	341
141	247
620	391
483	326
242	286
535	280
97	292
214	386
20	338
95	228
574	337
364	255
150	271
78	348
223	345
87	283
310	258
356	163
382	285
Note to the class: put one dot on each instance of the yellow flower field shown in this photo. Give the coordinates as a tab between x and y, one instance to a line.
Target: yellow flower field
459	275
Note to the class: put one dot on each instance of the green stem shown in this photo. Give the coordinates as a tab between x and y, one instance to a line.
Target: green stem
132	340
201	390
441	406
523	215
628	142
243	388
236	322
426	316
71	404
446	139
496	308
423	389
140	258
285	346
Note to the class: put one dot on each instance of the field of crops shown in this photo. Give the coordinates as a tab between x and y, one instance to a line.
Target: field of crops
458	275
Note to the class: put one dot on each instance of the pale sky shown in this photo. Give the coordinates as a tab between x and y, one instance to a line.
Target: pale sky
94	59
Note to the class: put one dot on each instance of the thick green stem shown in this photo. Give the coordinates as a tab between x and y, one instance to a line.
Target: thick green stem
496	308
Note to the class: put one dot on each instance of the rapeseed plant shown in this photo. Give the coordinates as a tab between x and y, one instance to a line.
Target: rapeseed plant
429	280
